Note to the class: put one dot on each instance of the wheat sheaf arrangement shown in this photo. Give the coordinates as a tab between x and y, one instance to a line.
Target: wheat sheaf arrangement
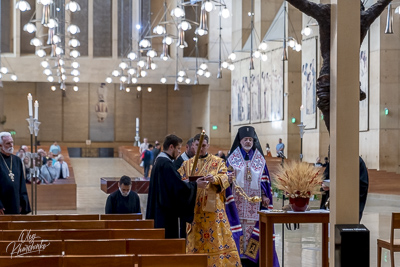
299	179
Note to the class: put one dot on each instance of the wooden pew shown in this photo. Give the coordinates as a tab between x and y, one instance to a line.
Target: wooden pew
64	234
79	224
27	217
98	247
173	260
95	247
98	260
131	155
124	246
52	217
77	217
131	216
31	261
61	195
156	246
68	261
11	248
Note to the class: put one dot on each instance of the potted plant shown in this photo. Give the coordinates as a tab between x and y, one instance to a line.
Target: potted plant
299	181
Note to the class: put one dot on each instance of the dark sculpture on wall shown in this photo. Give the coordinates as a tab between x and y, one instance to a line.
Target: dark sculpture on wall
322	14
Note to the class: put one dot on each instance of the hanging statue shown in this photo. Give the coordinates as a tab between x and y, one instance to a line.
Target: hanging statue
322	14
101	107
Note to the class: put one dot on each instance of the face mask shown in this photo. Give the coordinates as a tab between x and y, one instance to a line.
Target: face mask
123	194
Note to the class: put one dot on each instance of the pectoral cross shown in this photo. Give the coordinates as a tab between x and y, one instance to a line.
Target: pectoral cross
11	176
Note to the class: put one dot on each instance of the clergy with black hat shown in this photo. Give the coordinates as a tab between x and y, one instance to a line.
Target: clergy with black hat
251	172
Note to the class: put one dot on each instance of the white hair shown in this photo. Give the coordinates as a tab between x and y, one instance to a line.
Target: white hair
3	134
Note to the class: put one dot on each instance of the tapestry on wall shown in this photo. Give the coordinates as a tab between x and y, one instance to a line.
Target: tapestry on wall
364	84
240	93
255	88
101	113
272	87
308	83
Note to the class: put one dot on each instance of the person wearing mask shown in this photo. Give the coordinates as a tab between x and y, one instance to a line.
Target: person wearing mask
124	200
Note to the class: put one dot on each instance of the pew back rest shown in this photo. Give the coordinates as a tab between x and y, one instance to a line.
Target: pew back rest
174	260
95	247
76	217
27	218
132	216
156	246
85	234
53	217
42	247
31	261
79	224
98	260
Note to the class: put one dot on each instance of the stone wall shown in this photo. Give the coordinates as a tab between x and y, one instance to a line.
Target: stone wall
65	117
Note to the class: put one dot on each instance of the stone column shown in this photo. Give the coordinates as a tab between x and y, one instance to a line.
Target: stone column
344	110
115	29
292	89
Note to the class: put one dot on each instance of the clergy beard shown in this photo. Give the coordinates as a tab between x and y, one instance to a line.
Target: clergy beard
123	194
247	148
8	151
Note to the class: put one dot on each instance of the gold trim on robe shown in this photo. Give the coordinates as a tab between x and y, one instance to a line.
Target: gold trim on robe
210	231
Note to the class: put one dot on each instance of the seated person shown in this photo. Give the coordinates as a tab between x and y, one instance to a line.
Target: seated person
48	172
21	154
123	200
61	167
42	155
50	156
55	149
27	169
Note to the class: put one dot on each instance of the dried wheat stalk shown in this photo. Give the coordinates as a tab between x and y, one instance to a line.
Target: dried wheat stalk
299	179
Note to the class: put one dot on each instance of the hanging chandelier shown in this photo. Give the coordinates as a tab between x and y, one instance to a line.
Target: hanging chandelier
60	50
140	62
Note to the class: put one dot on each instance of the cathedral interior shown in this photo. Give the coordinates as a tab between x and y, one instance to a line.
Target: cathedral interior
108	73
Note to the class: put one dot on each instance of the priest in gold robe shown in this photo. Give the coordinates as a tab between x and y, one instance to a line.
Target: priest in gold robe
210	231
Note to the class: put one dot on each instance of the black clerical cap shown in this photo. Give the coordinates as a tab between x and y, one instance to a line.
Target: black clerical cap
246	131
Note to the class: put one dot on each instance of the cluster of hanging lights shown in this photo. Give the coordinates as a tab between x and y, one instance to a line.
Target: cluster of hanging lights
137	66
60	62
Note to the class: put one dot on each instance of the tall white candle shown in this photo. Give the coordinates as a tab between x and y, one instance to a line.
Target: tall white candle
36	110
137	124
301	113
30	105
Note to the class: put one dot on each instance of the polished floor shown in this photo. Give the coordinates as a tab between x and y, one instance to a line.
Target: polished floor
302	248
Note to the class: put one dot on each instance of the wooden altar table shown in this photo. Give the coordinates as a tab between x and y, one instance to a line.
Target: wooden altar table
268	219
